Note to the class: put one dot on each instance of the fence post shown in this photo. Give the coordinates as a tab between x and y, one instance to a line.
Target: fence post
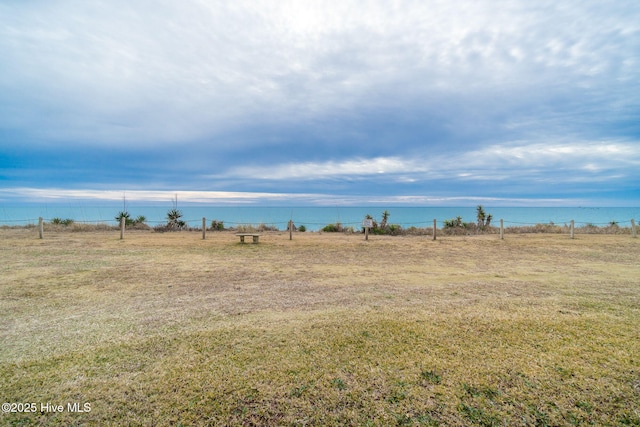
571	228
435	224
290	229
204	228
122	223
501	229
633	229
41	227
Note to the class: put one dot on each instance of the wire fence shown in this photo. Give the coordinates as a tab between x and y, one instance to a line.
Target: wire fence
33	221
442	227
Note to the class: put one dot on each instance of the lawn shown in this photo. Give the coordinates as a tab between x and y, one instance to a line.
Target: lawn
325	329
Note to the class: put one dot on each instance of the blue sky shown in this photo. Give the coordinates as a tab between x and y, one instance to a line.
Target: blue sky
321	102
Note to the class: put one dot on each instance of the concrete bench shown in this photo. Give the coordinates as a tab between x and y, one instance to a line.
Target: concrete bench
243	235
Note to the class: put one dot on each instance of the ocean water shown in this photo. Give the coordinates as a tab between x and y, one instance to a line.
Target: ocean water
314	218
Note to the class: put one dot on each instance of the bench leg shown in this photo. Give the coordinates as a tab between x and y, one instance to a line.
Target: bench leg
255	239
241	239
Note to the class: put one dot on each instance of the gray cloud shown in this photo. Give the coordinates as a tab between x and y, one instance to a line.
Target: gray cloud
339	86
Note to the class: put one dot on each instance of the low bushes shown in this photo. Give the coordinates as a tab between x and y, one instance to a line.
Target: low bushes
77	227
217	225
337	228
333	228
250	228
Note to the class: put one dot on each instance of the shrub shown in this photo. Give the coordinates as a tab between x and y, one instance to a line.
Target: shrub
173	220
60	221
126	216
217	225
249	228
417	231
538	228
91	227
589	228
76	227
302	228
161	228
385	218
394	229
333	228
265	227
455	223
384	227
137	223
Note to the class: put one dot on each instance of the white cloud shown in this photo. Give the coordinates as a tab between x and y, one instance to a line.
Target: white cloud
184	196
330	169
493	163
572	155
479	93
42	195
123	72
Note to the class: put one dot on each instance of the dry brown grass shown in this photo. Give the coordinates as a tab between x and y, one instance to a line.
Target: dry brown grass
326	329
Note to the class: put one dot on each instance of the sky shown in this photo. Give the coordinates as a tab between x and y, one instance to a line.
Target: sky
428	102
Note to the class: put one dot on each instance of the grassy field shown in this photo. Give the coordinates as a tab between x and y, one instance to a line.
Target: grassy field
326	329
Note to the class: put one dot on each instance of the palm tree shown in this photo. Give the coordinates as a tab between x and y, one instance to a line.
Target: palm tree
385	218
126	216
480	215
173	217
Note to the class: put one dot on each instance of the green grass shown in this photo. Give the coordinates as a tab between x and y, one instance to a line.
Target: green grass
321	369
161	330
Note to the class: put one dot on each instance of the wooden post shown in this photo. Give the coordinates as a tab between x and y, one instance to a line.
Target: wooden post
571	228
41	227
204	228
435	225
366	224
122	223
501	229
290	229
633	229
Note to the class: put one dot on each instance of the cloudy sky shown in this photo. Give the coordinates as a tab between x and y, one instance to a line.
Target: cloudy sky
320	102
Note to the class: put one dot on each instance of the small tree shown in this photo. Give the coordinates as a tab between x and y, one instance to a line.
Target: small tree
173	217
126	216
128	221
385	218
173	220
454	223
484	220
480	215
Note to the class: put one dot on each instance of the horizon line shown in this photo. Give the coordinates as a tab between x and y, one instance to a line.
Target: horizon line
30	195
